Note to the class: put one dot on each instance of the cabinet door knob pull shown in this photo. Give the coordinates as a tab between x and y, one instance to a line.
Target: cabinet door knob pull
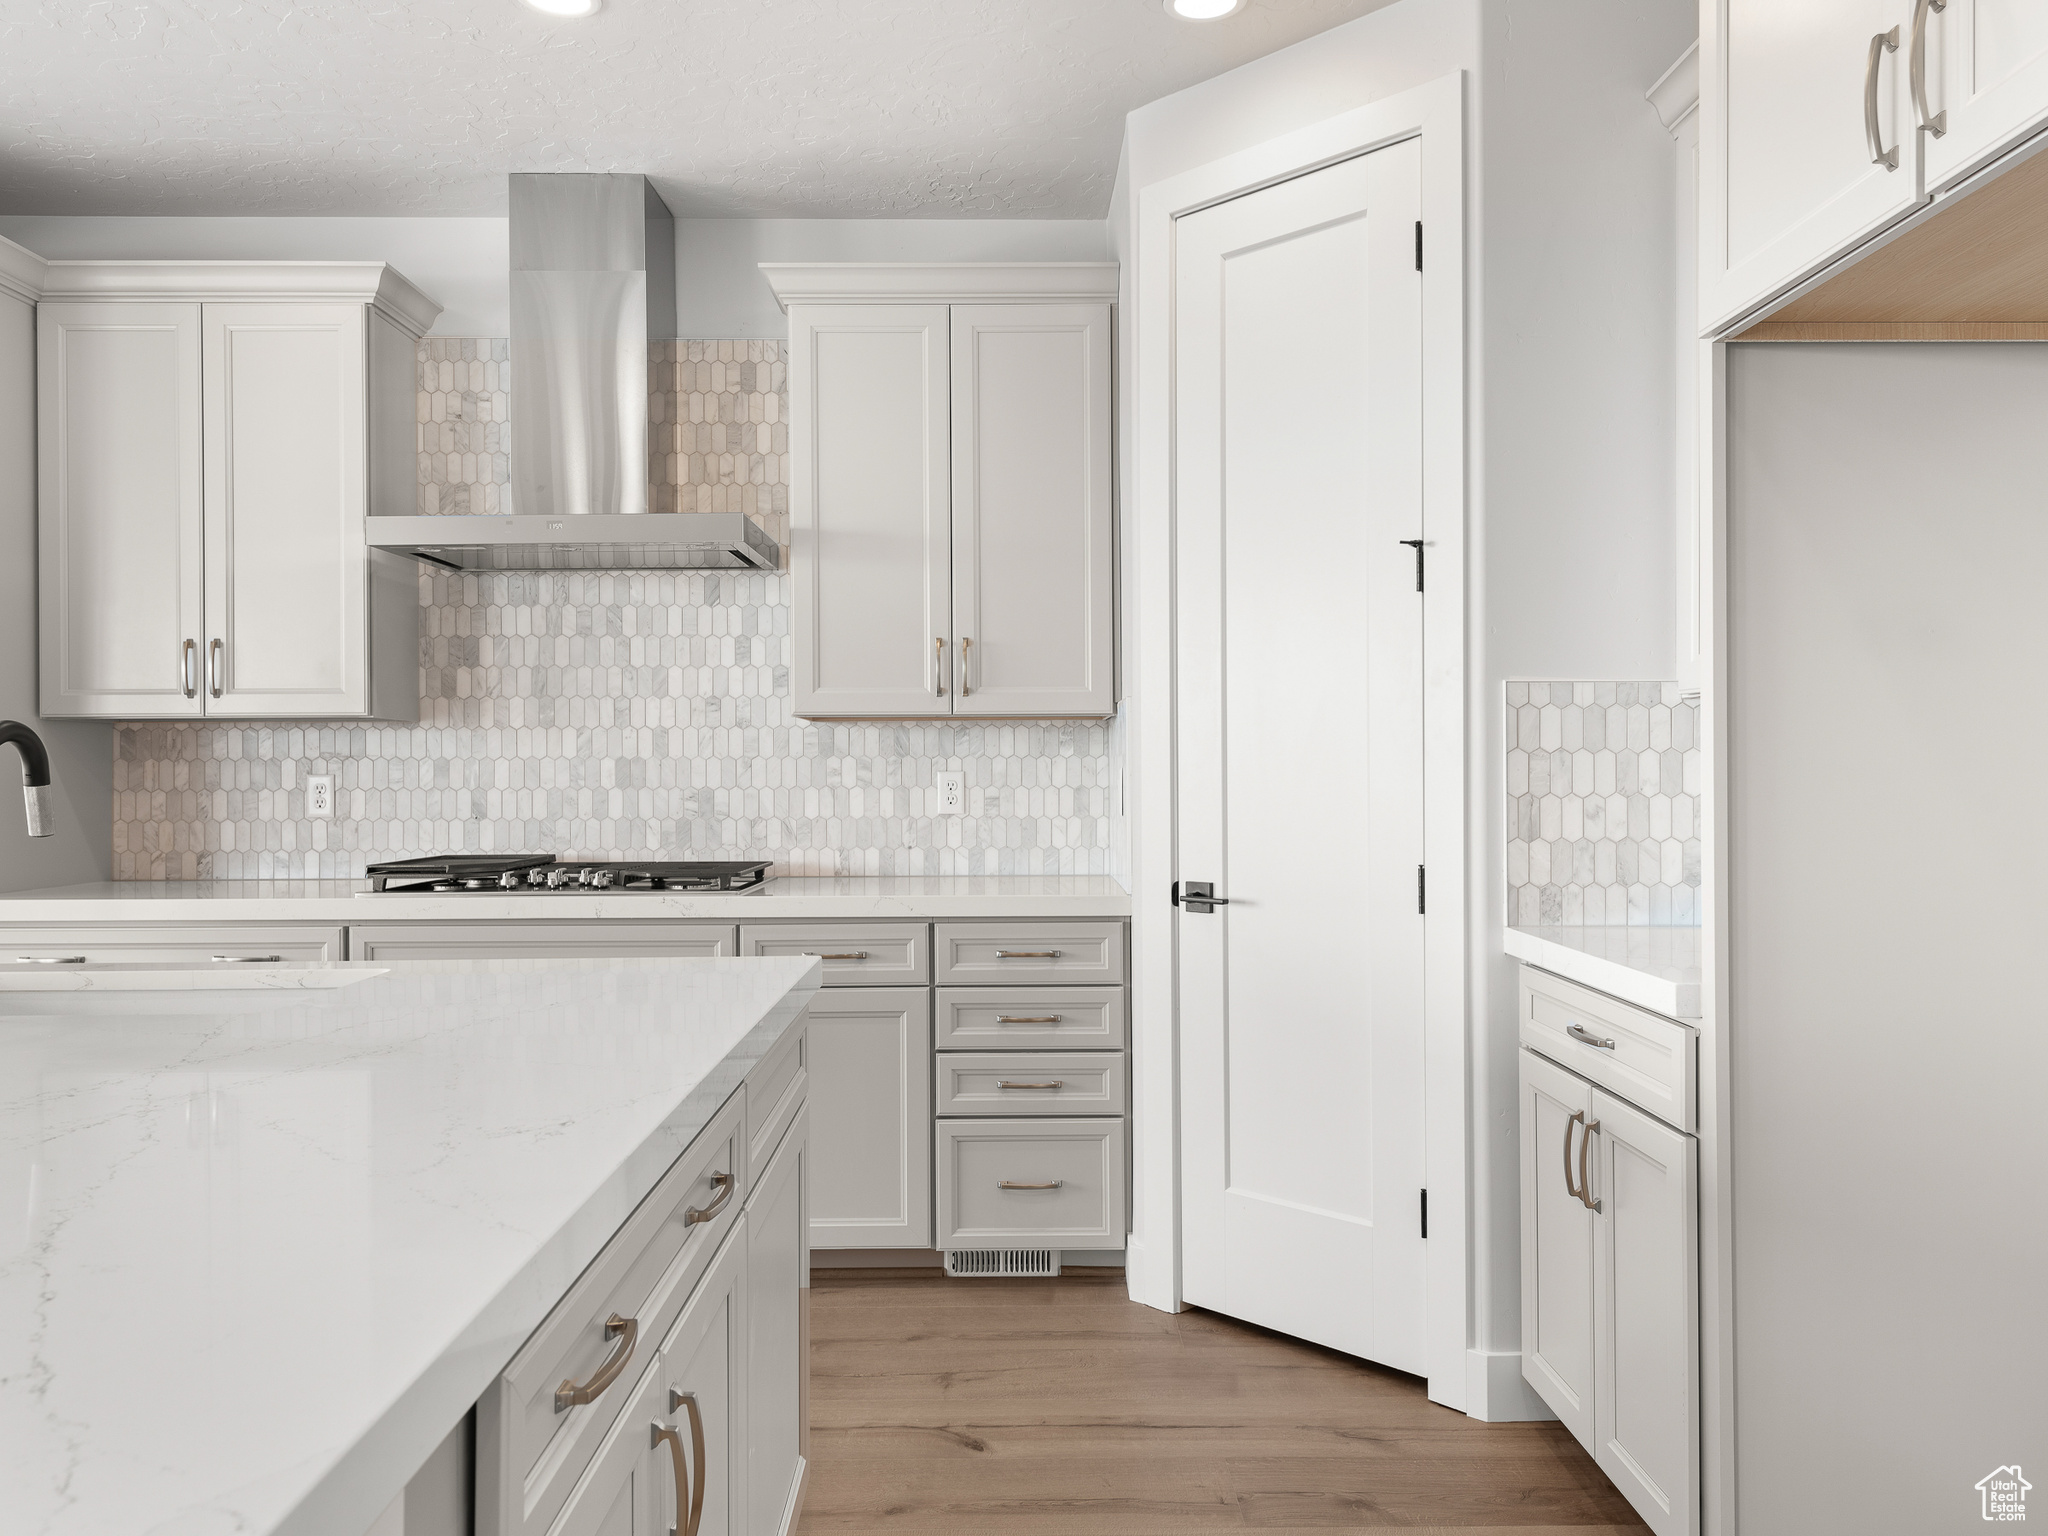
248	959
1013	1184
966	667
689	1500
1585	1036
1027	1018
1578	1118
188	669
627	1331
1881	43
939	666
1055	1083
215	651
723	1183
1585	1151
850	954
1935	123
49	959
1027	954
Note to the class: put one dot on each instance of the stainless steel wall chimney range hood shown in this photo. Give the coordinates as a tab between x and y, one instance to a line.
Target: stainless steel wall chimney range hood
593	281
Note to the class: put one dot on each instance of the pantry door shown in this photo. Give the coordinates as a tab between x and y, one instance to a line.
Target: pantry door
1298	474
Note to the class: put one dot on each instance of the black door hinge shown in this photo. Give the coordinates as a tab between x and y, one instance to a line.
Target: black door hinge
1416	545
1422	888
1418	245
1425	1213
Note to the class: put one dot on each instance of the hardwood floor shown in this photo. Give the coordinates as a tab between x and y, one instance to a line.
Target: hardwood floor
1061	1408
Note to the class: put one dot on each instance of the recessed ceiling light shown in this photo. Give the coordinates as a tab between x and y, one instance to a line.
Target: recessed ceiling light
1200	10
564	7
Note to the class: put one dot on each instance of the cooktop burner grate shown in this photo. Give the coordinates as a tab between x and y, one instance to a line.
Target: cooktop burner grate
543	872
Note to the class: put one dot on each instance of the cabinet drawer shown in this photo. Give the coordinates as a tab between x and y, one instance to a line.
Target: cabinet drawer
529	1452
1031	1083
855	954
542	941
982	953
1031	1018
24	944
1076	1166
1647	1059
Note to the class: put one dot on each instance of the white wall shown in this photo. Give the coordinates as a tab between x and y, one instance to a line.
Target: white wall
81	755
1569	422
462	263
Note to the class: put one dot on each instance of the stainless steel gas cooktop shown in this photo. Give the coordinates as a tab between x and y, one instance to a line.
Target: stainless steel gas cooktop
541	873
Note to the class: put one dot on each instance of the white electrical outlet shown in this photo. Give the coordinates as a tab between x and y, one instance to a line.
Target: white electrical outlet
952	792
320	796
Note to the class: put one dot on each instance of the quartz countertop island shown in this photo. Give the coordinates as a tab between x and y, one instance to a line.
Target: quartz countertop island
257	1264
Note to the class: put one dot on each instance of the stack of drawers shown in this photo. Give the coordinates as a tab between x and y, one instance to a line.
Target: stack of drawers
1030	1084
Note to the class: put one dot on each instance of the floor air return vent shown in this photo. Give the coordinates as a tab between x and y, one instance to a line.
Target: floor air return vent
999	1263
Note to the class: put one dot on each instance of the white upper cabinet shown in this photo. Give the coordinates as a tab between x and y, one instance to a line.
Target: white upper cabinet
118	452
870	541
1032	581
212	437
950	496
1807	141
1986	82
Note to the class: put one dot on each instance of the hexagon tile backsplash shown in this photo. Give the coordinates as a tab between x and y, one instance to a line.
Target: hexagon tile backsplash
1603	787
611	715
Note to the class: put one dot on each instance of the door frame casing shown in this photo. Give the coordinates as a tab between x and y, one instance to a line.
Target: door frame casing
1433	112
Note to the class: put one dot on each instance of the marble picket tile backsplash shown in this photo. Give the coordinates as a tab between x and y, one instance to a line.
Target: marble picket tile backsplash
611	715
1603	783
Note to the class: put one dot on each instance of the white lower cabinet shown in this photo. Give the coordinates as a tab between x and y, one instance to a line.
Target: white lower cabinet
1610	1286
1056	1183
871	1115
541	941
778	1318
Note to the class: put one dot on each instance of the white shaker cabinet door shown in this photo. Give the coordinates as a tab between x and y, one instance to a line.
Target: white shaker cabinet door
1032	601
1791	173
120	521
1646	1302
870	539
1557	1244
778	1335
871	1117
1987	82
287	585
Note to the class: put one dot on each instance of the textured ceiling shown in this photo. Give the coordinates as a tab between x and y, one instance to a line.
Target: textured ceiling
795	108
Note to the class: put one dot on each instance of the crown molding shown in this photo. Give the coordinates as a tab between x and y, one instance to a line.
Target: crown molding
385	289
940	282
1677	93
22	272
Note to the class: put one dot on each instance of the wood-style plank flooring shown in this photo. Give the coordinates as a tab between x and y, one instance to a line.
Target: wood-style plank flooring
1062	1408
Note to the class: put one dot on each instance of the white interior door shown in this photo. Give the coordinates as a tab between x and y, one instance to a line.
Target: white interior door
1298	433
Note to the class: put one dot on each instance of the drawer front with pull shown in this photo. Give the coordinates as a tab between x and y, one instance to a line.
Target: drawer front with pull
26	945
541	941
1059	1183
984	954
1030	1019
1647	1059
540	1422
855	954
1031	1083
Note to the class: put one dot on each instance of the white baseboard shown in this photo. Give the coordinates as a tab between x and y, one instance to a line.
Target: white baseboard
1495	1390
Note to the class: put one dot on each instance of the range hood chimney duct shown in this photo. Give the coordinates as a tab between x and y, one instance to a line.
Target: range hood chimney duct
593	284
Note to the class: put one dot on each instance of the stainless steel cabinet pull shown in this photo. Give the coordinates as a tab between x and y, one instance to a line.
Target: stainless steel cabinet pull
49	959
1585	1036
687	1498
1027	954
1027	1018
188	668
1055	1083
1881	43
850	954
939	666
627	1331
723	1183
966	667
1936	124
1585	1151
1013	1184
248	959
215	650
1578	1118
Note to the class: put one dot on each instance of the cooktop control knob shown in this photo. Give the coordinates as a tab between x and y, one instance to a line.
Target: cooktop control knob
509	881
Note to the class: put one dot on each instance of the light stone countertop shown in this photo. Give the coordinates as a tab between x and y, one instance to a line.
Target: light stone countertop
913	897
254	1266
1654	968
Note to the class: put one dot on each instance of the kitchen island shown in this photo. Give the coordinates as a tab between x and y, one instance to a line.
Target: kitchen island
257	1265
